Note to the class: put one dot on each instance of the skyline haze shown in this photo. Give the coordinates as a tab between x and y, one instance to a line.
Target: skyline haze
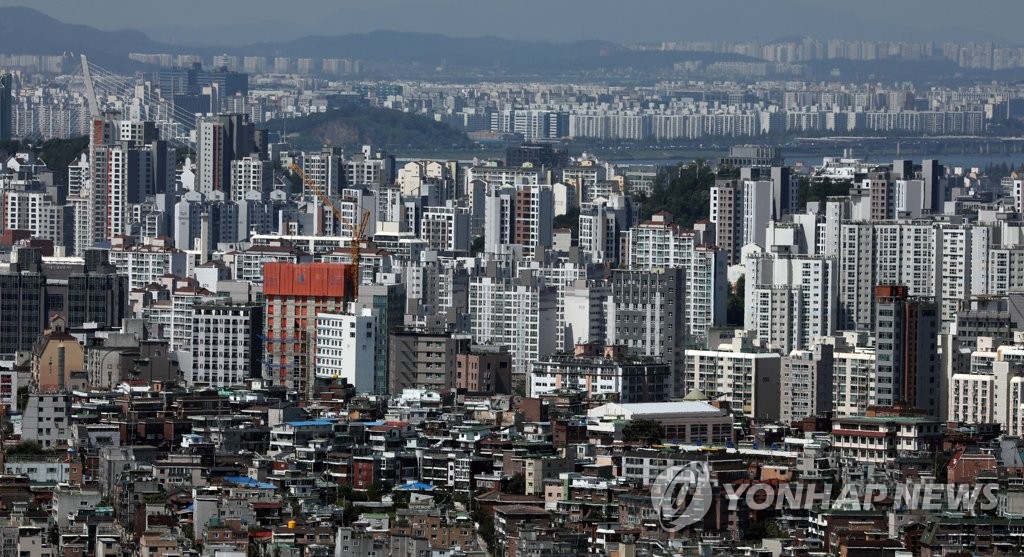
647	20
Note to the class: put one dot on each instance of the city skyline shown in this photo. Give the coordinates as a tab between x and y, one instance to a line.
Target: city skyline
224	24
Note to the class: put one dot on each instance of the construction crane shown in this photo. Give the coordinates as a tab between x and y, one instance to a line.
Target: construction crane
358	230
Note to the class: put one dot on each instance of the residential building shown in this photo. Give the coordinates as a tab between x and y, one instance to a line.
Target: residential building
602	373
423	359
646	314
346	347
484	369
743	372
226	346
906	353
294	295
806	383
519	313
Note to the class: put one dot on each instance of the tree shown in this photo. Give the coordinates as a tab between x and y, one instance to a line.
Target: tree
516	485
683	190
822	190
643	431
378	490
485	527
477	246
734	306
56	153
763	529
33	448
570	220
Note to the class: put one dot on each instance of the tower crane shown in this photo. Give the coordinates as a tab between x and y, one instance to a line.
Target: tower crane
358	229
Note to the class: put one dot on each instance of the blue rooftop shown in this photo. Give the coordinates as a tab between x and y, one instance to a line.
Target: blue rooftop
415	486
248	482
311	423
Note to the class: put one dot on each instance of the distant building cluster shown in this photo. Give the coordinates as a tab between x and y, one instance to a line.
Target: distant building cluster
254	349
220	355
330	67
974	55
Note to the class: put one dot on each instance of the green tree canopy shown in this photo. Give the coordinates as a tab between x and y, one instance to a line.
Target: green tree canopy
570	220
821	190
734	306
683	190
643	431
516	485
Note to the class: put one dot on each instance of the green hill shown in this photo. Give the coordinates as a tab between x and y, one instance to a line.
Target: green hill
351	126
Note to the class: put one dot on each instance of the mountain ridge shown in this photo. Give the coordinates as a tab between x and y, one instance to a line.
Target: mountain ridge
25	30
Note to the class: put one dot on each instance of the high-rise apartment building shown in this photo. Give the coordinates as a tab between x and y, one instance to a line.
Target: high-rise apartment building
518	215
601	226
6	106
646	314
127	162
445	228
346	347
221	140
806	383
294	294
742	207
661	243
790	299
324	168
251	174
519	313
370	167
932	257
744	373
906	352
226	345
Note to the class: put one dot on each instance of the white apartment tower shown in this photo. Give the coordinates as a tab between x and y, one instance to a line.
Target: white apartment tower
520	314
345	348
790	299
251	174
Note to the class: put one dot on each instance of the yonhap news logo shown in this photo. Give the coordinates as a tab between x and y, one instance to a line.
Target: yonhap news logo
682	495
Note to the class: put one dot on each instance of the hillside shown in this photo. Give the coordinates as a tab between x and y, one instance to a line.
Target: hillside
352	126
27	31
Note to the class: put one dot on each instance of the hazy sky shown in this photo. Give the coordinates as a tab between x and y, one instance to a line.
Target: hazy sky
244	21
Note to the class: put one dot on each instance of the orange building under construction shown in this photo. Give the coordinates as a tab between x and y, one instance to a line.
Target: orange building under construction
295	293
